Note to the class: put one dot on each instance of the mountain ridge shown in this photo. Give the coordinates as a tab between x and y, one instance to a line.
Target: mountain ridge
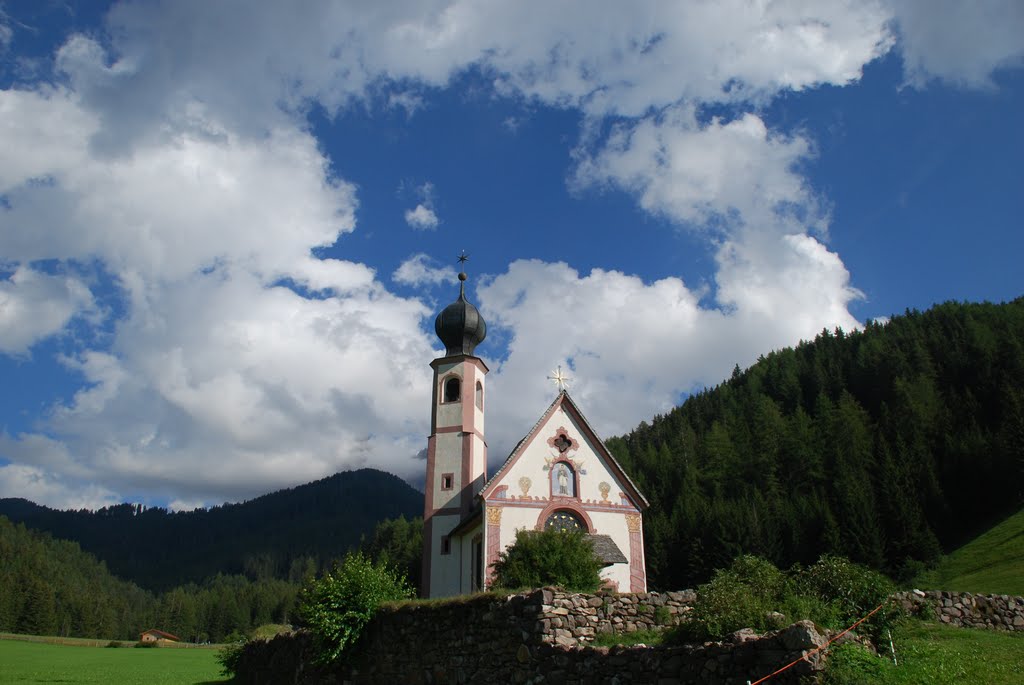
278	534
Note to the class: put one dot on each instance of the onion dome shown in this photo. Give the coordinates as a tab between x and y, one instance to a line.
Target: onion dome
459	325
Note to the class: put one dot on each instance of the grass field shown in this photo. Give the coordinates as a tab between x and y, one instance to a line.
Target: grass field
934	654
37	662
992	563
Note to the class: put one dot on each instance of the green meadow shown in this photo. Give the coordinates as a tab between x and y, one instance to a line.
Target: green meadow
934	654
992	563
40	662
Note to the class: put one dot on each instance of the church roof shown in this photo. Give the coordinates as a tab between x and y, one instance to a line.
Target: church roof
565	401
607	551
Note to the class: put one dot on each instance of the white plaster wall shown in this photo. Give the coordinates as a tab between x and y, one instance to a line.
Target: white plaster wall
444	568
447	459
532	460
478	465
514	518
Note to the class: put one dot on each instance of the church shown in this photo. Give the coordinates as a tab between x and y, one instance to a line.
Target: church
559	476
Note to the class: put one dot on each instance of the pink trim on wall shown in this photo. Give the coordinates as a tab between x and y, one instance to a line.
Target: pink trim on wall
468	406
637	570
493	520
466	495
568	505
458	429
535	502
428	513
428	500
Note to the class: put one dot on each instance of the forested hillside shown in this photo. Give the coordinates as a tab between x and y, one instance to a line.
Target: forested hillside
281	535
52	587
885	445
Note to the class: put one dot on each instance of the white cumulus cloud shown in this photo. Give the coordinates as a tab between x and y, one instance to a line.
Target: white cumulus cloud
422	218
35	305
959	42
420	269
176	157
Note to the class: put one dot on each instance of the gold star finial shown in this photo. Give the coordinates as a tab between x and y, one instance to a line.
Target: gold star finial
559	378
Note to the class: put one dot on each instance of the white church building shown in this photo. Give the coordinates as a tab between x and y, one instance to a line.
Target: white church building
560	475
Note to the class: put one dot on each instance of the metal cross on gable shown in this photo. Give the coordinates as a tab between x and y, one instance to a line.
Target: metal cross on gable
560	379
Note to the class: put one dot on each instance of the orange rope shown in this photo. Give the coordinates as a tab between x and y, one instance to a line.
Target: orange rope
817	649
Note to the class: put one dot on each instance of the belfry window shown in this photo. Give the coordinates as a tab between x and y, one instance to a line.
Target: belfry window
452	390
479	395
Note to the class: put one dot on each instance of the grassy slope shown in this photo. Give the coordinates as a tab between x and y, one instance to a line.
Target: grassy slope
934	654
928	653
34	662
992	563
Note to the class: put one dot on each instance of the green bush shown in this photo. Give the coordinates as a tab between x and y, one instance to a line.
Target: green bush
741	596
230	656
338	606
564	559
851	591
833	593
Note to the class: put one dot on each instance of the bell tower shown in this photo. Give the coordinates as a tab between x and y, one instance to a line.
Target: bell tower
456	449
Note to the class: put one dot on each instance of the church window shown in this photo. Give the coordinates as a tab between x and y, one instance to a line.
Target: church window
479	395
447	481
446	544
564	521
452	390
563	480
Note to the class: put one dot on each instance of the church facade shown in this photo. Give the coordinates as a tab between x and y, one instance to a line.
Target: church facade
559	476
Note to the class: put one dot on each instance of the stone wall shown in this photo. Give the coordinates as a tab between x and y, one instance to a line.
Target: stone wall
572	620
1001	612
535	638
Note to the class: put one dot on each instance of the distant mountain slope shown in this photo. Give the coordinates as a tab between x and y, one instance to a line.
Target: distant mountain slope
992	563
52	587
885	445
277	535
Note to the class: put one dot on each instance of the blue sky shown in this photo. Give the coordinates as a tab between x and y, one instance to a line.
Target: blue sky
225	228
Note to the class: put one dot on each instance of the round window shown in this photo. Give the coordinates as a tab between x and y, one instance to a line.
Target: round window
564	520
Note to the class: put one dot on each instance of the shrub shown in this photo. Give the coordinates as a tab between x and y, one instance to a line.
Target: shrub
741	596
229	657
538	558
852	591
834	593
338	606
